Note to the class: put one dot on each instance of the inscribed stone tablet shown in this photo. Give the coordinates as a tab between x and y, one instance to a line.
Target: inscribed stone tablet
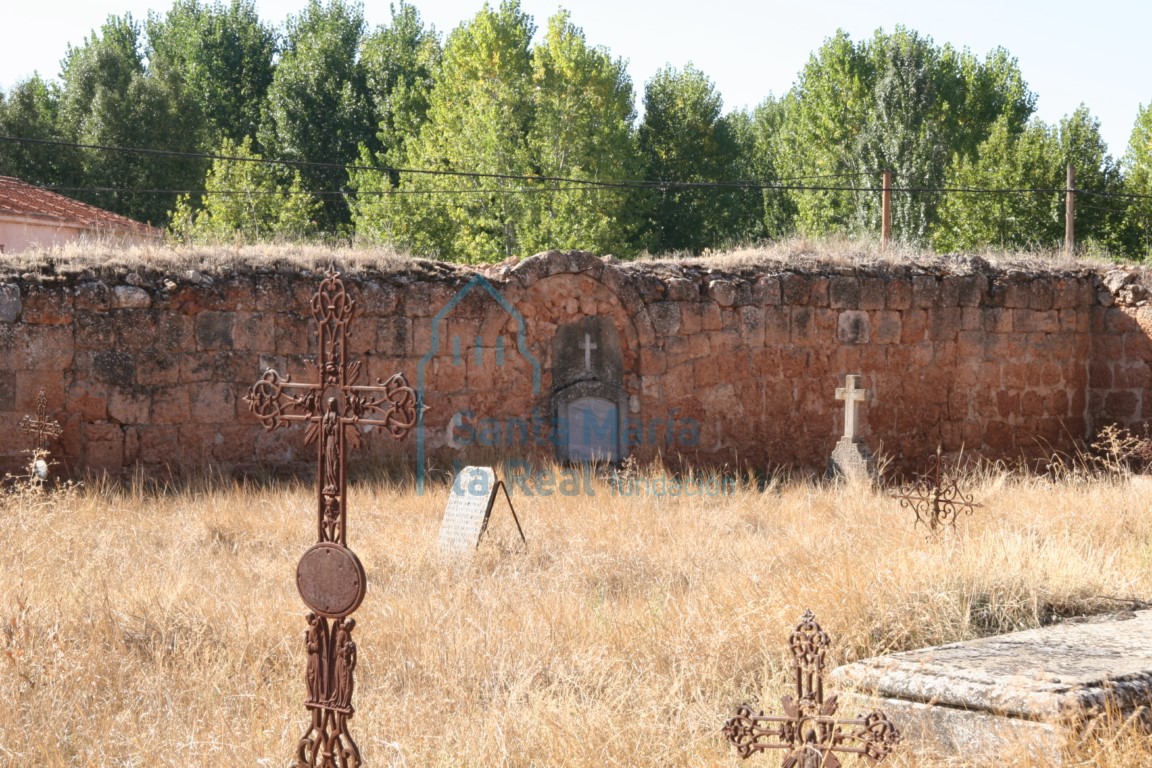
469	504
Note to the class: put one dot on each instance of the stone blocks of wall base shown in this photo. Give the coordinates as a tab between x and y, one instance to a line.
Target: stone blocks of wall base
720	365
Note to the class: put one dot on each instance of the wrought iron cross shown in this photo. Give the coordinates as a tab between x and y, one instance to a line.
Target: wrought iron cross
936	497
43	428
330	578
809	729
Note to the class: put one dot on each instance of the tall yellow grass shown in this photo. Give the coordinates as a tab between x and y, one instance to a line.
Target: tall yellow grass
156	629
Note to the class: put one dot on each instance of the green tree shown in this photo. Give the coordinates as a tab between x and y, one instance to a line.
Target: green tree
32	111
823	116
400	62
1137	166
684	139
896	102
244	202
1007	159
220	56
581	128
479	113
765	159
1099	219
317	108
110	100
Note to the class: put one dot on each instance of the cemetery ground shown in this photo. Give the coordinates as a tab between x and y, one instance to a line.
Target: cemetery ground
146	626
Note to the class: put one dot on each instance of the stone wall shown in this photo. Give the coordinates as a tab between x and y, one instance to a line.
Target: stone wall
725	366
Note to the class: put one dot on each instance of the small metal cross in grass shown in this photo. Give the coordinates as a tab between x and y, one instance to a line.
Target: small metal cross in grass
809	729
936	497
40	426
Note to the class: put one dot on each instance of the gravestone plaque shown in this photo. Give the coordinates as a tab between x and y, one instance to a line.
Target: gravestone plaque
469	510
469	505
593	430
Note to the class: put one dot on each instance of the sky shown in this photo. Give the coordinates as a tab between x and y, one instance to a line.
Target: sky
1070	53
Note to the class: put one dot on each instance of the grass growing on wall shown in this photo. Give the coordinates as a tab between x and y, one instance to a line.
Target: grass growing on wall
155	629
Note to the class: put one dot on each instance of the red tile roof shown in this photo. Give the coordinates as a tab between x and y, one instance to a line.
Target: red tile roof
19	198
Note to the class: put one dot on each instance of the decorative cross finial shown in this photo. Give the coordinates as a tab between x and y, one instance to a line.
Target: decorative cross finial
40	426
850	395
809	729
936	497
330	578
588	345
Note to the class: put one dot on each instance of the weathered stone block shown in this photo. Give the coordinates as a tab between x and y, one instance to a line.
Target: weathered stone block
690	318
128	407
710	319
853	327
926	291
944	323
212	403
93	297
665	317
914	324
171	405
215	330
103	447
766	290
45	307
723	292
899	294
795	289
130	297
844	292
682	289
803	329
10	303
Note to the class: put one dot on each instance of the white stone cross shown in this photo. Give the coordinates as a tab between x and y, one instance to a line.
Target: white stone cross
588	345
850	395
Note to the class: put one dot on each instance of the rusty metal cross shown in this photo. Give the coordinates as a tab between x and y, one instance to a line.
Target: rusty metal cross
809	729
330	578
43	428
936	497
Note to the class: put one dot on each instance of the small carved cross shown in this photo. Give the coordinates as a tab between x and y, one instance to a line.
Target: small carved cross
588	345
809	729
43	428
330	578
850	395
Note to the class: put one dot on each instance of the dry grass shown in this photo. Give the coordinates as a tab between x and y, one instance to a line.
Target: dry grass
144	629
793	253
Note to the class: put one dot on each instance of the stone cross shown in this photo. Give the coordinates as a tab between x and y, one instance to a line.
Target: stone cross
329	577
850	395
40	426
588	345
809	729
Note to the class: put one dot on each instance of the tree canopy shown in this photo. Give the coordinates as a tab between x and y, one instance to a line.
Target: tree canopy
500	139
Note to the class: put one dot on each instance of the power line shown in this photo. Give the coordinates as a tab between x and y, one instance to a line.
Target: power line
589	184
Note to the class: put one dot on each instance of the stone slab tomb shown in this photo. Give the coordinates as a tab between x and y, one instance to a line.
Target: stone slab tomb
1032	690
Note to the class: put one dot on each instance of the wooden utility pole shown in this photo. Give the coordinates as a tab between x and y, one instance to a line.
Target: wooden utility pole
1070	213
886	211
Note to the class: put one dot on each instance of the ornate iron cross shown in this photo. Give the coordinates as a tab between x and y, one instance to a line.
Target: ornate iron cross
936	497
330	578
40	426
809	729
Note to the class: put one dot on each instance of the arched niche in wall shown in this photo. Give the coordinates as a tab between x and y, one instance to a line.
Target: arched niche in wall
588	396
